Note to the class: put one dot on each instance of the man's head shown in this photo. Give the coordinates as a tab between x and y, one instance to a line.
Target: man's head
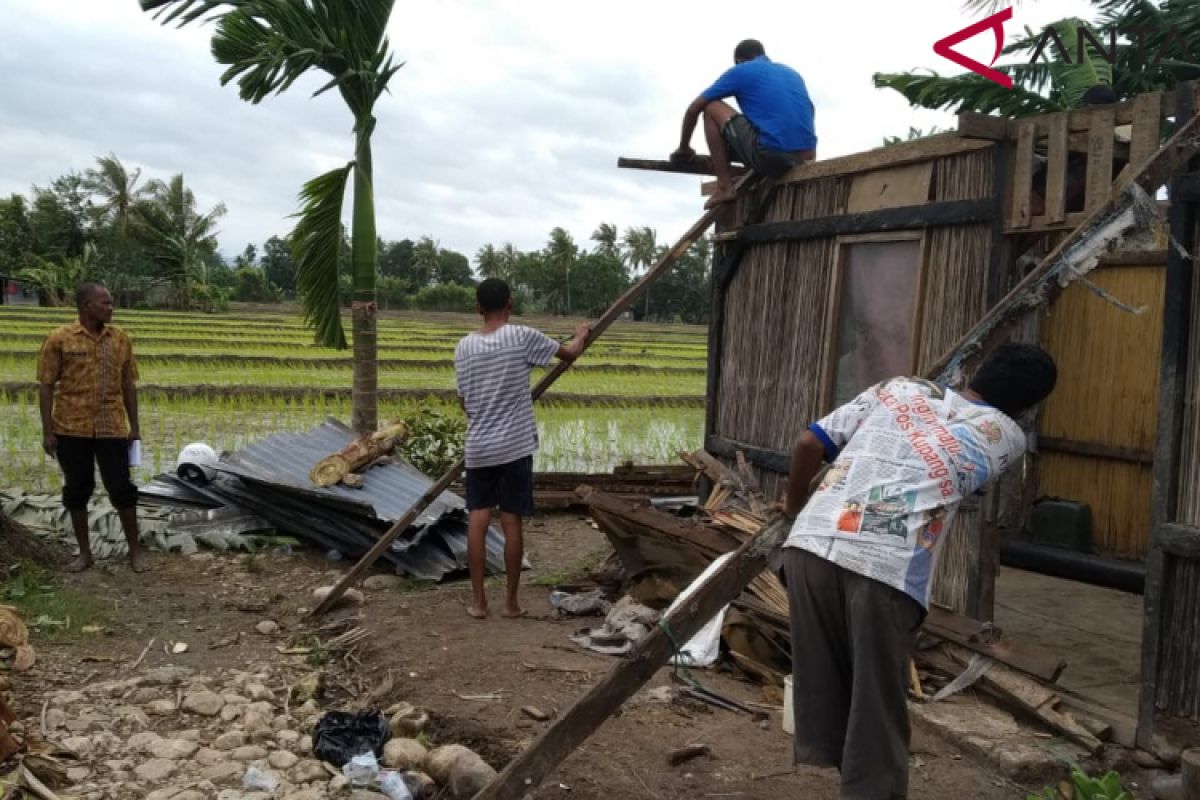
748	50
94	302
493	296
1015	377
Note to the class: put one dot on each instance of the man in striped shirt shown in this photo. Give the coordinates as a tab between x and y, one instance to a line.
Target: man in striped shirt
492	367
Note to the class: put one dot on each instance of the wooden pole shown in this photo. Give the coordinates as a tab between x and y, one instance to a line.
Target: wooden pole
1191	774
622	303
635	669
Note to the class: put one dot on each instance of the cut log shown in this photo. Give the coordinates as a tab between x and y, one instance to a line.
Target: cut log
334	469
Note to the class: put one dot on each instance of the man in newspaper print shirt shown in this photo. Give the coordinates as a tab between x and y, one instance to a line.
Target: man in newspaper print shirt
862	550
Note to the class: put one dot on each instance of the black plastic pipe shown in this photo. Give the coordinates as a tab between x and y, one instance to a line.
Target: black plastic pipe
1126	576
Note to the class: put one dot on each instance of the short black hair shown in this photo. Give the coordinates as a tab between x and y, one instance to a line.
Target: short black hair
1015	377
85	292
748	50
492	294
1100	95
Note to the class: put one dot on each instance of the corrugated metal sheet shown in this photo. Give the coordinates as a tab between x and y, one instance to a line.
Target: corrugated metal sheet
270	479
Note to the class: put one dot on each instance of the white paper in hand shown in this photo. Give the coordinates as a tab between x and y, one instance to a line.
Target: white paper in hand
135	453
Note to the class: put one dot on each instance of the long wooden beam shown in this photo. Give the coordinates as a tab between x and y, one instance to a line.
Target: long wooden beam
927	215
1077	254
633	671
700	165
622	303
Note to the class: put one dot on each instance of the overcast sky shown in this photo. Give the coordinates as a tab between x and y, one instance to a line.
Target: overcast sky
507	120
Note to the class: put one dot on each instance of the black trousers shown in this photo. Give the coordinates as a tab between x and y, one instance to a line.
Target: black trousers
852	638
79	457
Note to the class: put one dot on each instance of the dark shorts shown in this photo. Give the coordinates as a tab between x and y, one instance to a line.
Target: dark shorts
744	146
507	486
850	677
79	458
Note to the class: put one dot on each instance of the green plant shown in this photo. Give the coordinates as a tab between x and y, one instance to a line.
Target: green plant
436	438
47	607
1106	787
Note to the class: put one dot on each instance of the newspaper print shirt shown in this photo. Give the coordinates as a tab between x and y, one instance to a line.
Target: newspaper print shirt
903	455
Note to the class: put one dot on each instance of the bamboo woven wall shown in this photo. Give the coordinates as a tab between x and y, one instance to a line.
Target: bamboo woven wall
1105	352
953	566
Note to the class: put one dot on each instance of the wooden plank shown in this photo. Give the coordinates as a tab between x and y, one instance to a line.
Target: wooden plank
700	165
952	212
1177	314
632	671
1190	762
1042	224
973	125
1146	134
1022	185
1033	698
918	150
1181	541
1056	168
619	306
1132	455
1044	282
972	635
1100	160
1135	258
894	187
999	254
772	460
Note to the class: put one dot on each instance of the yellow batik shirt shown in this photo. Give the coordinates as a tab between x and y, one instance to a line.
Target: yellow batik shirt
87	371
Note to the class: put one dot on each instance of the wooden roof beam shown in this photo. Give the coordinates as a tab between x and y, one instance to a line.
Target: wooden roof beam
700	165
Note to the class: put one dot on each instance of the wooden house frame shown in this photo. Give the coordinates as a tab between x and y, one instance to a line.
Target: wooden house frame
974	201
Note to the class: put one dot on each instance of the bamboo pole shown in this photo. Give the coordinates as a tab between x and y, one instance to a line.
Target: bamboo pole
622	303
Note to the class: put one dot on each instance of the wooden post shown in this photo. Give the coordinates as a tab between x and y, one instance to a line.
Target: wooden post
635	669
1177	314
630	296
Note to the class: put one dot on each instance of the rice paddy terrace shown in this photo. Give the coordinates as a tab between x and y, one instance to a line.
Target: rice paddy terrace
225	379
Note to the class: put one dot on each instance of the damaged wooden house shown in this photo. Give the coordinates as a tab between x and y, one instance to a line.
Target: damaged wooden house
1076	230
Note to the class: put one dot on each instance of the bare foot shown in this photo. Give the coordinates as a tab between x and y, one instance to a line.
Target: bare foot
80	564
137	562
720	197
513	612
477	612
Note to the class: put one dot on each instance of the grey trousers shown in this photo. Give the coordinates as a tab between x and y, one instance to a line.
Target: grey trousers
852	638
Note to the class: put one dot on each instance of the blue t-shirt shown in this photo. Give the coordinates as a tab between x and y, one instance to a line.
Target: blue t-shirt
774	98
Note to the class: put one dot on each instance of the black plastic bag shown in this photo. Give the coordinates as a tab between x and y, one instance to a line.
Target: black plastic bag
341	736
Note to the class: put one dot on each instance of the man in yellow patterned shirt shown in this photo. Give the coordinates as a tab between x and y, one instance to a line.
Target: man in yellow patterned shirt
87	383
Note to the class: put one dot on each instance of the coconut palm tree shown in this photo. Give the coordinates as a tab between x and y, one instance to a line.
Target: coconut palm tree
426	260
641	250
490	262
267	46
116	188
607	239
179	238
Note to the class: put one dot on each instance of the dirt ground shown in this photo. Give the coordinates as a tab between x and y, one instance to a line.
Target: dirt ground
424	650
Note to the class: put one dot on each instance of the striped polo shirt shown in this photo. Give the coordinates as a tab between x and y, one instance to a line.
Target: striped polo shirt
492	373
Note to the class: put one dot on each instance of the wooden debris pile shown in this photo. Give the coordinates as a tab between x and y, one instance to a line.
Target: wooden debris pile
663	553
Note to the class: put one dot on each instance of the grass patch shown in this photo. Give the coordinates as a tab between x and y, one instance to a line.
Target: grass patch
575	573
47	607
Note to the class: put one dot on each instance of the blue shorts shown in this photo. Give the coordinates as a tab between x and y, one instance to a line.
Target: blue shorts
507	486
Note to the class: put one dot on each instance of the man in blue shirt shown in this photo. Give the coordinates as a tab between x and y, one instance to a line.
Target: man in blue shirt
774	130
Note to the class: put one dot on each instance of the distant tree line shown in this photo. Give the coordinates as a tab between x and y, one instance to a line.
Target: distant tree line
151	244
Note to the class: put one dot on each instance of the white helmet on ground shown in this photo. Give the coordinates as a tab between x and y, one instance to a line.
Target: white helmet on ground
196	462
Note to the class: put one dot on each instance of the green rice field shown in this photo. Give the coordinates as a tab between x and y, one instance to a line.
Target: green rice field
228	379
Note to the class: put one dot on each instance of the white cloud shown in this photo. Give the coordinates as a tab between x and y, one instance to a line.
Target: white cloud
506	121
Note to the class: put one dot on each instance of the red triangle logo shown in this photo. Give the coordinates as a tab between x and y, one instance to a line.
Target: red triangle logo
943	47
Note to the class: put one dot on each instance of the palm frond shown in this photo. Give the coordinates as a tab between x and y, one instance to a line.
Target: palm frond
316	242
961	93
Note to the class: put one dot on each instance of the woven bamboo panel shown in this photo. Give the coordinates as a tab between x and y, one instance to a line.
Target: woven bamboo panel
1107	394
953	566
955	287
968	176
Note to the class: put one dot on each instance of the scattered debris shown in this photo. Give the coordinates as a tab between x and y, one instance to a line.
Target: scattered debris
351	597
267	627
356	456
536	714
684	754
